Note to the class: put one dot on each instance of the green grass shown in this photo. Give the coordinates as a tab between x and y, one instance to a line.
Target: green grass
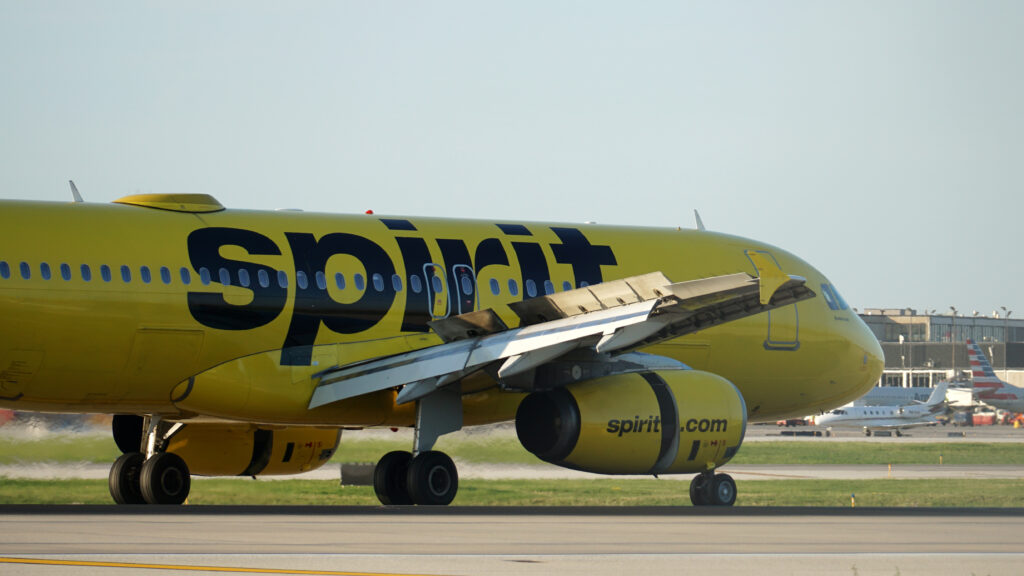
58	448
824	451
598	492
505	449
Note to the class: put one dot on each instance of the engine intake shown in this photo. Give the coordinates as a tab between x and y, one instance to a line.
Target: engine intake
667	422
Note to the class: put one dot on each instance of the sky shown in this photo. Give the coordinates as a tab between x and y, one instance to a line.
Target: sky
883	142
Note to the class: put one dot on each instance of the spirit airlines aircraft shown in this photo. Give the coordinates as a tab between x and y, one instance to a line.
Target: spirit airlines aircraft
230	342
887	417
990	389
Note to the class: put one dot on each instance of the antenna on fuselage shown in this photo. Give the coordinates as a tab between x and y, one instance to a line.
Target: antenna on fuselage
700	223
74	191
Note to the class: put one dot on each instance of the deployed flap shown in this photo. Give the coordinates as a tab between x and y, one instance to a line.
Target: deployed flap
610	318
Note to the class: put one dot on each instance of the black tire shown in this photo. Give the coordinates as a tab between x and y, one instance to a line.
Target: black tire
723	490
389	477
124	480
165	479
700	490
432	479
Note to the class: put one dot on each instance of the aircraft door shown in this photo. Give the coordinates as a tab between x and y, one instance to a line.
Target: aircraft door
437	290
783	323
464	288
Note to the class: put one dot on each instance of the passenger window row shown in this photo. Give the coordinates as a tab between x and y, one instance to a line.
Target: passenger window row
244	278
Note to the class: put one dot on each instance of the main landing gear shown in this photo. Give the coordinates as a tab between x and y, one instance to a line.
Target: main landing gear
710	489
160	478
429	478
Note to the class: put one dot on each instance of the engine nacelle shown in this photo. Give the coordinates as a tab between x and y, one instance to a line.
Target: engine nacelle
245	450
667	422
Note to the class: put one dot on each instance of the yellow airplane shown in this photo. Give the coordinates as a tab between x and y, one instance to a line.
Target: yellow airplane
231	342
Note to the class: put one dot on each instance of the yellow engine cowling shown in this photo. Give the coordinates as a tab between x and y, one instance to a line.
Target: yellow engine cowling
667	422
246	450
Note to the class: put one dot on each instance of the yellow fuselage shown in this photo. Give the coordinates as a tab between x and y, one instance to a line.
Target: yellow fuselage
96	316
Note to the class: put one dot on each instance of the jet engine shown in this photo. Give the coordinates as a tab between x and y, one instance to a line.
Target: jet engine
664	422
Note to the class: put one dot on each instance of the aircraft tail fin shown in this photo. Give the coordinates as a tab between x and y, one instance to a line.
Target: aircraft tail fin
983	378
938	394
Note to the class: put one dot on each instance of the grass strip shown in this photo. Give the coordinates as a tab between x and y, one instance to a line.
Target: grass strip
505	449
597	492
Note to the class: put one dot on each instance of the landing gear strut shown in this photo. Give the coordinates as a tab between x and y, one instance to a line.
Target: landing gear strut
151	475
710	489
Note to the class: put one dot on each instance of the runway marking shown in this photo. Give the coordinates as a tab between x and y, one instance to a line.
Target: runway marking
232	569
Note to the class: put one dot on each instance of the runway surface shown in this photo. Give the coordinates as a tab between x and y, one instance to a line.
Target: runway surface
463	541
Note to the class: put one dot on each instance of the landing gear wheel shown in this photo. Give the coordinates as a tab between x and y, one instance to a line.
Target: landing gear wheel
723	490
899	434
700	490
389	479
867	432
124	479
165	479
432	479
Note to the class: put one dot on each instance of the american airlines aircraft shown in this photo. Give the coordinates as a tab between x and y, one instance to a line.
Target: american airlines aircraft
988	387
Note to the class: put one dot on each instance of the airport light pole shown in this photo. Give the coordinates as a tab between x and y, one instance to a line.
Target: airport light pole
952	340
1006	338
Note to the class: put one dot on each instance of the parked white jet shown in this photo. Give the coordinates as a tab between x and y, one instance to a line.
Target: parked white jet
988	387
895	418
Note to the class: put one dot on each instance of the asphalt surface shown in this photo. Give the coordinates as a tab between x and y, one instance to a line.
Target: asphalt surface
88	540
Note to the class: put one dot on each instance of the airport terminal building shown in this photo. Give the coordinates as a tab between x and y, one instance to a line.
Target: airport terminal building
924	349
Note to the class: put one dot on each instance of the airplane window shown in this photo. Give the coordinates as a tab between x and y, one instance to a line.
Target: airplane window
358	279
339	279
126	273
263	277
65	271
5	270
243	277
566	286
105	273
26	270
467	285
44	270
513	288
186	277
300	280
549	287
415	284
436	282
225	276
495	286
204	276
396	282
165	274
584	283
282	278
842	303
321	280
86	272
531	288
144	274
830	300
378	282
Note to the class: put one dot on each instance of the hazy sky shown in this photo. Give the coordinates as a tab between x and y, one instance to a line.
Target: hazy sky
881	141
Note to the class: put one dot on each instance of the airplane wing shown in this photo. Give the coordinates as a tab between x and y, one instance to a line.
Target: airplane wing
608	319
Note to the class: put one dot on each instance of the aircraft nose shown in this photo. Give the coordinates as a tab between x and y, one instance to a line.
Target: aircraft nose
867	350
